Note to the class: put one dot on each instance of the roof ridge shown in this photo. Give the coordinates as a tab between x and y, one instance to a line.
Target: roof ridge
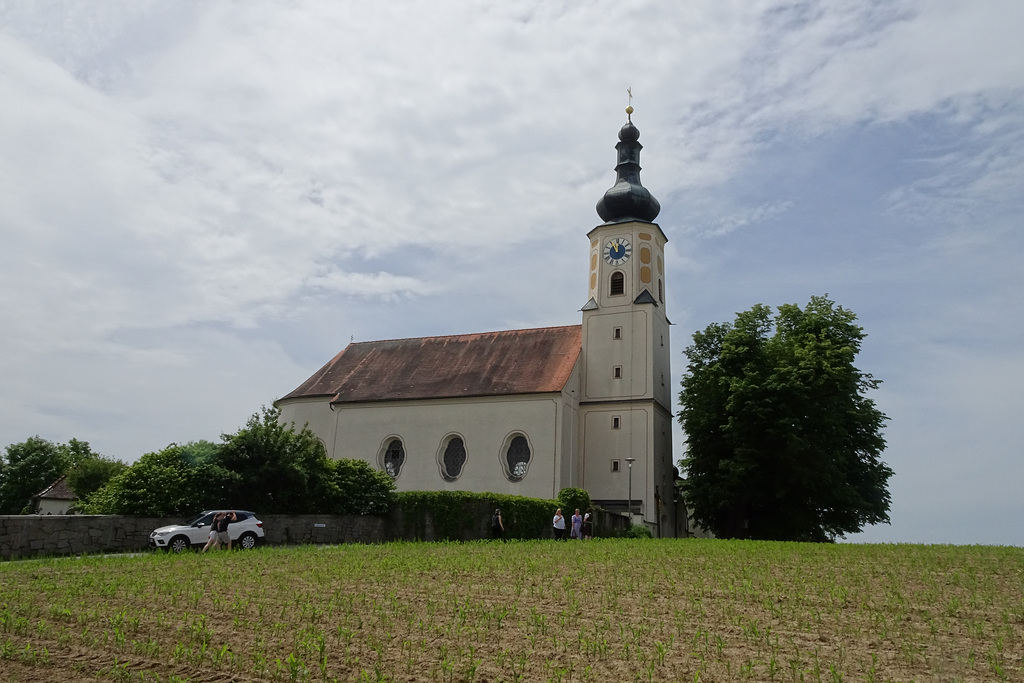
501	362
59	490
465	334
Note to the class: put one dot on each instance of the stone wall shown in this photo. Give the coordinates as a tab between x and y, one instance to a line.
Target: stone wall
23	536
34	535
41	535
323	529
477	524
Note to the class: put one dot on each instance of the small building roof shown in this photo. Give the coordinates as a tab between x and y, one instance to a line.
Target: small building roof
487	364
58	490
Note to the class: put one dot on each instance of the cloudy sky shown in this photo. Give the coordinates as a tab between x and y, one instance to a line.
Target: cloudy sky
202	202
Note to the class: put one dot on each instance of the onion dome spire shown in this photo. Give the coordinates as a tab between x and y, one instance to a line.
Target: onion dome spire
627	199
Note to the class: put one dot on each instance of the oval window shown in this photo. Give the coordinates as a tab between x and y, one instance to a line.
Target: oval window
517	457
453	459
393	458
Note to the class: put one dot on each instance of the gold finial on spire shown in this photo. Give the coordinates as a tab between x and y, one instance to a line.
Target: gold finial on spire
629	107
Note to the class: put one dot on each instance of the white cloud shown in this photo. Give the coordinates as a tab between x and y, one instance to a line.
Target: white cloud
195	198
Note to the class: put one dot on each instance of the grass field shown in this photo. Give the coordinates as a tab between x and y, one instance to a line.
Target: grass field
605	610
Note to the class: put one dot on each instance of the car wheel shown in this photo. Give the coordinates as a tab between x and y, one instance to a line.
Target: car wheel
178	544
247	541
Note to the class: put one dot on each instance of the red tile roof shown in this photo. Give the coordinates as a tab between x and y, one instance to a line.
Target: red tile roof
58	490
487	364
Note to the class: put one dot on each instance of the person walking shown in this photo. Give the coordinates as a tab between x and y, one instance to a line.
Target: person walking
588	525
212	541
221	527
577	525
497	526
559	523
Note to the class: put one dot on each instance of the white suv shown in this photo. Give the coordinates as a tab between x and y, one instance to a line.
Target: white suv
246	532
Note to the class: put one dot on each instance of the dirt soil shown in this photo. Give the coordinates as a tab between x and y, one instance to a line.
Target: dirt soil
534	611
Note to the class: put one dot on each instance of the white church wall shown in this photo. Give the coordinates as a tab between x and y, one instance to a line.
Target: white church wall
485	424
605	443
314	413
571	461
664	475
52	506
628	351
661	359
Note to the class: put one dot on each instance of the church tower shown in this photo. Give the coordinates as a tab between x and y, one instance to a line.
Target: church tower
625	398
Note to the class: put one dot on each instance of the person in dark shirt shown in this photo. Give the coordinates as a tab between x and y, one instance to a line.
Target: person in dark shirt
220	525
212	541
497	526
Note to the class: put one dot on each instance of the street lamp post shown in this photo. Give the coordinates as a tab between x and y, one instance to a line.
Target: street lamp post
630	462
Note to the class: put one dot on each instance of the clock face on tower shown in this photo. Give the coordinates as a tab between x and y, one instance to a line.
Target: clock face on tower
617	251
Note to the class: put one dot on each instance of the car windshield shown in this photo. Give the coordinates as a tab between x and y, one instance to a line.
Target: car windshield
202	520
207	518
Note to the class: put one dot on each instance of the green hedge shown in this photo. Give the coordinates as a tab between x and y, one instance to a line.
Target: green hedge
461	515
638	531
572	499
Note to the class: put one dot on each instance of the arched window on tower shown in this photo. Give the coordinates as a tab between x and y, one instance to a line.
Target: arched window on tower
618	283
661	292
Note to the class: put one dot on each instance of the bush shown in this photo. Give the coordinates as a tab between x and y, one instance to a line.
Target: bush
265	467
638	531
179	480
89	475
455	515
28	467
571	499
361	489
280	469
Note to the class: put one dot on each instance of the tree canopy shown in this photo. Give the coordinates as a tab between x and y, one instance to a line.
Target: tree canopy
782	442
285	470
280	470
178	480
359	489
27	468
266	467
89	475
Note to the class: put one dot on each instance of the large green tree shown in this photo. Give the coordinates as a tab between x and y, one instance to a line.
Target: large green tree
280	469
91	474
266	467
179	480
27	468
782	441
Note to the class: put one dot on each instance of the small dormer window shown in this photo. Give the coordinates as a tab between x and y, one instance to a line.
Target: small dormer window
618	284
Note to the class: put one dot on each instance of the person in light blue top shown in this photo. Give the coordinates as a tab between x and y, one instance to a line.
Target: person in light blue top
577	525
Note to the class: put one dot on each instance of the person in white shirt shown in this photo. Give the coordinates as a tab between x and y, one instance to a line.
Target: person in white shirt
559	524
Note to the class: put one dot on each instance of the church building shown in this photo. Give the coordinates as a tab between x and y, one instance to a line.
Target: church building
527	412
